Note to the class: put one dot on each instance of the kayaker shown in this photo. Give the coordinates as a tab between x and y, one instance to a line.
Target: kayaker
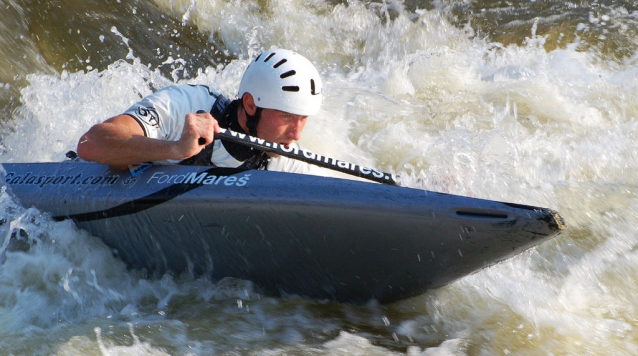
277	93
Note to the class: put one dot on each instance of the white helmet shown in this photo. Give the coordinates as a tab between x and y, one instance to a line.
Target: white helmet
283	80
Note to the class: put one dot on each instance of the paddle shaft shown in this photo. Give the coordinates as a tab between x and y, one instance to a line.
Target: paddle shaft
306	156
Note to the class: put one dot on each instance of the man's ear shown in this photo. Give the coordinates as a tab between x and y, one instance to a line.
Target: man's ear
249	104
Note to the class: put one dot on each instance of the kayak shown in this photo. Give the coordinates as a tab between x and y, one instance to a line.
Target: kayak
290	234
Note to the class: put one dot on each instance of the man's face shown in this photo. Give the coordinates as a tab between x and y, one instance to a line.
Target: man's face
280	127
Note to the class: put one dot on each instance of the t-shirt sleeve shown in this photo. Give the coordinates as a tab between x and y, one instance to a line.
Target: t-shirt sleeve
162	113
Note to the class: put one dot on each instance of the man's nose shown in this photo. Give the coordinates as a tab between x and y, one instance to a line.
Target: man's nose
294	130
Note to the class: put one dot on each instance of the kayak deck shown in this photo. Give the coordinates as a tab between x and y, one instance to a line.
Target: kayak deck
318	237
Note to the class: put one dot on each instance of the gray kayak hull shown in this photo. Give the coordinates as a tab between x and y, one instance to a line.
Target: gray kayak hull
317	237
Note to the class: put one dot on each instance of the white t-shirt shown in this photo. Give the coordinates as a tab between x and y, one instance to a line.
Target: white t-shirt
162	115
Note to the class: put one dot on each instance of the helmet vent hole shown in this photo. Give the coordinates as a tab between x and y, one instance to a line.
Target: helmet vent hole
290	88
312	87
280	63
268	58
287	74
259	55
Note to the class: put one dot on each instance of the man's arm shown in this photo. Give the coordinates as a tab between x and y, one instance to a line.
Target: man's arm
120	141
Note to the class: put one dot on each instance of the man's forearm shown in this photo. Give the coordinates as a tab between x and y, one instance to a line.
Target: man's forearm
115	145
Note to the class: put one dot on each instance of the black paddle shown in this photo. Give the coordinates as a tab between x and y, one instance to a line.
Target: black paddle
305	156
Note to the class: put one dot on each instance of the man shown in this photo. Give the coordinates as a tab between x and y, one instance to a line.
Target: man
278	91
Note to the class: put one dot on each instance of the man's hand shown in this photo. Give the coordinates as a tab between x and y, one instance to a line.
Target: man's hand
199	131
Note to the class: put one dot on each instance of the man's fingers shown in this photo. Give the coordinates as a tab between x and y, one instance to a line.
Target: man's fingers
204	125
201	140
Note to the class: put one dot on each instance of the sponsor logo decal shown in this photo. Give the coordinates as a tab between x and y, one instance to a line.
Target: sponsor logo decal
128	182
202	178
42	180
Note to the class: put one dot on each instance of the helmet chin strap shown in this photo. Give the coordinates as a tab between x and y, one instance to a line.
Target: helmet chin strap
252	121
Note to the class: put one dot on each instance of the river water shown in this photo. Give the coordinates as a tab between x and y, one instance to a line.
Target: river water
532	102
